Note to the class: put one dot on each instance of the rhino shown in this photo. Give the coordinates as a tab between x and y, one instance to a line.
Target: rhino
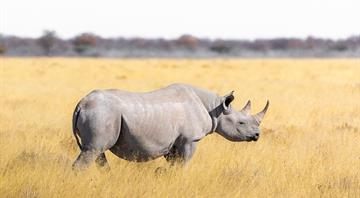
166	122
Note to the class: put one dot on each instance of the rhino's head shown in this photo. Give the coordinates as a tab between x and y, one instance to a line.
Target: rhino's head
238	125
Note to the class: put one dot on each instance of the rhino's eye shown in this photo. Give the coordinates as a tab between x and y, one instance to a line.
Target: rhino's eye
241	123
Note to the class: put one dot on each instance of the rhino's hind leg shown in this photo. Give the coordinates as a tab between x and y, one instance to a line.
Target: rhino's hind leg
102	162
95	140
85	159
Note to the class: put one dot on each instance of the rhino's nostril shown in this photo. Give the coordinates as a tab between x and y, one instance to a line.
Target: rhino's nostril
257	134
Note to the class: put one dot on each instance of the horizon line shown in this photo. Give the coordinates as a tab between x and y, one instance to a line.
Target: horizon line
180	35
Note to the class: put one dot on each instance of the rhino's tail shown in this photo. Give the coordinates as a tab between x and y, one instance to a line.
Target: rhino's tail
74	124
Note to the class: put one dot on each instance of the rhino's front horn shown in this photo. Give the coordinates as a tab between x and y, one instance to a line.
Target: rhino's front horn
259	116
246	109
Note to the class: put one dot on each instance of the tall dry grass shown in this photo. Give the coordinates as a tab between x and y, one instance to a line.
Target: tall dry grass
309	146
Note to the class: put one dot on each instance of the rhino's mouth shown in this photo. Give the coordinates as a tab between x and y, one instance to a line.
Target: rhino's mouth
249	138
252	138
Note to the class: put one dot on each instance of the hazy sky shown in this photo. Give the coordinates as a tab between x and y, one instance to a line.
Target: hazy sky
165	18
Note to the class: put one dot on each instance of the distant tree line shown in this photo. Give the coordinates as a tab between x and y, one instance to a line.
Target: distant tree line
88	44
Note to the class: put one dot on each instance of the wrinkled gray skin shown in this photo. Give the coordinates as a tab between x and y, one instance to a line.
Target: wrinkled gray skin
166	122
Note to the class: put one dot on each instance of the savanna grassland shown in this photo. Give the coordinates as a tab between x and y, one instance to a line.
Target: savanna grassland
309	145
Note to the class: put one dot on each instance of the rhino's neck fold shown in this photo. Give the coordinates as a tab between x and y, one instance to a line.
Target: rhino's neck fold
212	103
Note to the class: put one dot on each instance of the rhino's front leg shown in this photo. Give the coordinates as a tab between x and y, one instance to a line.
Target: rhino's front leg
181	153
188	152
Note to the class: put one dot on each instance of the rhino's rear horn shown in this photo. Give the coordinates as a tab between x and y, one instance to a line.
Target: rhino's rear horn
246	109
259	116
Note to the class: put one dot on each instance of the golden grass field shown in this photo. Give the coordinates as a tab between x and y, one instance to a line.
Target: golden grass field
309	146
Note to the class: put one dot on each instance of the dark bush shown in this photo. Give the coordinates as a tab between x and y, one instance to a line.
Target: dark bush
188	41
47	41
84	42
2	48
220	47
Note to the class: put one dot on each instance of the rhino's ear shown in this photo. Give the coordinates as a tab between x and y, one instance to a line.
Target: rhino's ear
228	98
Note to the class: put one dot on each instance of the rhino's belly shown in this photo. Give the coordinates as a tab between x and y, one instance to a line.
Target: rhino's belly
139	153
146	133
